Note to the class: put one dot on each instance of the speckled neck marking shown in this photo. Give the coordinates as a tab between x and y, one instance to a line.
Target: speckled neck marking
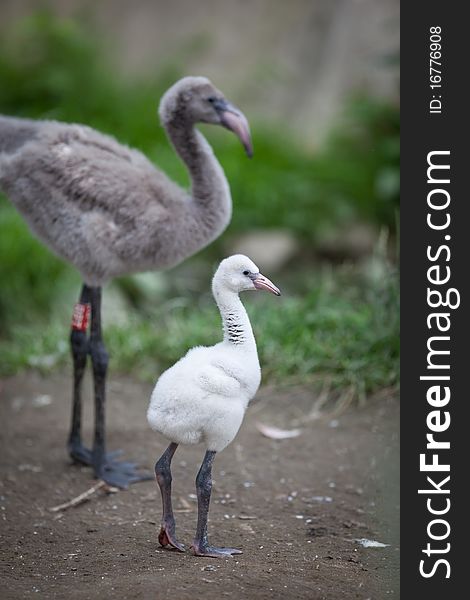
236	323
233	328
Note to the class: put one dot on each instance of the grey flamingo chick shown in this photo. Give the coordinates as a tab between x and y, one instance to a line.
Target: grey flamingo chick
203	397
106	209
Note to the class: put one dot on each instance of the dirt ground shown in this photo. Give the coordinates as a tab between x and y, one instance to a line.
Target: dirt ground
296	507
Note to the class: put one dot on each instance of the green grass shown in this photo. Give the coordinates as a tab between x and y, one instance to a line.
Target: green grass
344	332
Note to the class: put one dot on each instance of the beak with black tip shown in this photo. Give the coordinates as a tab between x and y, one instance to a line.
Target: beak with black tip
233	119
263	283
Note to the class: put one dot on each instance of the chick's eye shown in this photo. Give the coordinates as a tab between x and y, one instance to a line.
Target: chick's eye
246	272
211	99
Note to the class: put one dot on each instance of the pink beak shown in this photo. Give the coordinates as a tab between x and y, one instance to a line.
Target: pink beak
263	283
235	120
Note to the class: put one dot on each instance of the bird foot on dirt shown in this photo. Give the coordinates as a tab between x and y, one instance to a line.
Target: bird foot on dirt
83	456
121	474
115	473
213	551
166	537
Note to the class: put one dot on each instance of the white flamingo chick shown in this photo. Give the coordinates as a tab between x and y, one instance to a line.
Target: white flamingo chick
203	397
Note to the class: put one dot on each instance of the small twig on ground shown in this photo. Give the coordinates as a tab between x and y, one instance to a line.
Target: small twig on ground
344	401
82	497
315	412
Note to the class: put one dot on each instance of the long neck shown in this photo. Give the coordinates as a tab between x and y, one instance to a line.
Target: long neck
235	320
210	193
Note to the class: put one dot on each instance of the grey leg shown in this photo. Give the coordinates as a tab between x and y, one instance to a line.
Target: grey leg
99	360
116	473
201	546
167	535
79	347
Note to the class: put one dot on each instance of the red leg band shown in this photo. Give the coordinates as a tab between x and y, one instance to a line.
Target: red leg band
81	316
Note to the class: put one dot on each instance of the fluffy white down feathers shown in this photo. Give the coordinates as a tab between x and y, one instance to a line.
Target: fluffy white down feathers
203	397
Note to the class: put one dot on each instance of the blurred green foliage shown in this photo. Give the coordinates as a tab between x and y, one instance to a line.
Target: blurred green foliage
56	69
344	329
52	68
